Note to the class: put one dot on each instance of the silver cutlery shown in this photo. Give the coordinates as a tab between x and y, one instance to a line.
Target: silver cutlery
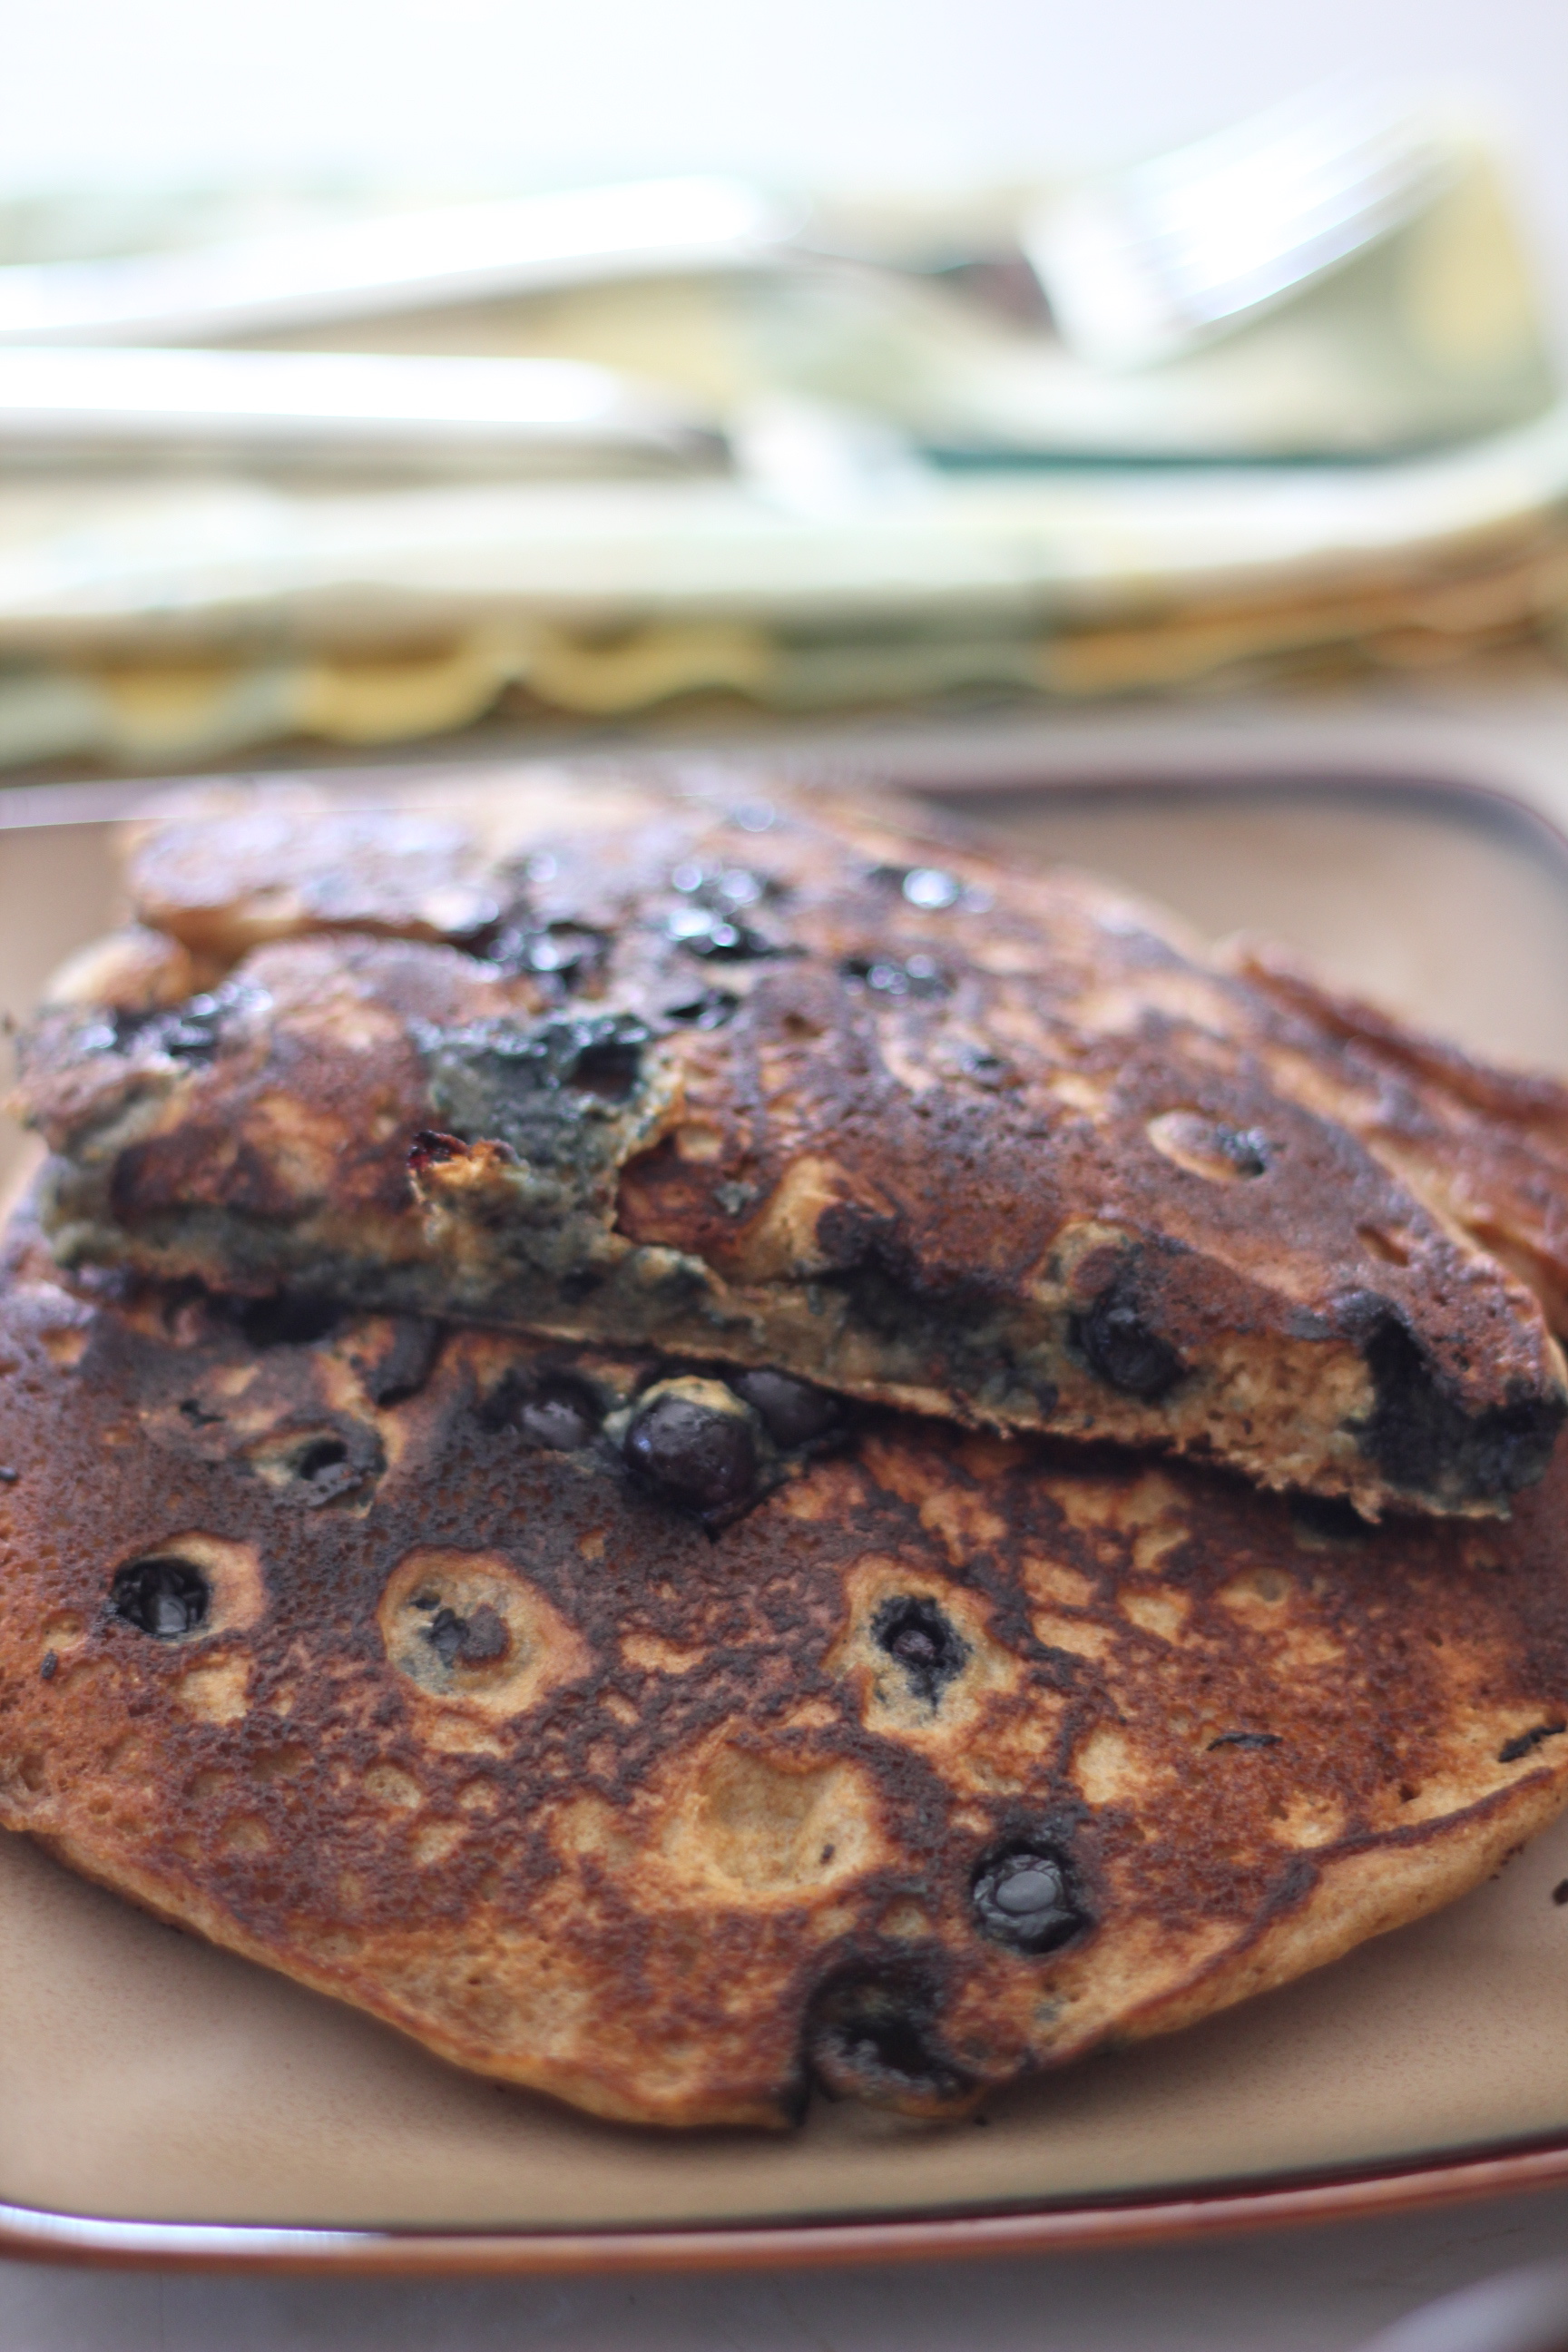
1144	264
1133	267
340	408
393	261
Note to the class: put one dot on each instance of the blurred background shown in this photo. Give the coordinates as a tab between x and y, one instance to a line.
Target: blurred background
873	477
436	93
910	405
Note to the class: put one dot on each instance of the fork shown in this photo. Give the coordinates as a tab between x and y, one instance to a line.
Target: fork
1145	263
1134	266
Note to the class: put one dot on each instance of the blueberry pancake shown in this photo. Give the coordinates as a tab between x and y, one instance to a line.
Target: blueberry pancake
782	1086
674	1740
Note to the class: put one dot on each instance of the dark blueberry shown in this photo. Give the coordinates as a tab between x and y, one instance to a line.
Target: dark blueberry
193	1409
987	1069
723	887
567	953
164	1597
696	1455
928	887
50	1665
793	1412
1512	1750
889	975
188	1032
475	1641
1421	1438
913	1631
1559	1891
1022	1898
1246	1739
873	2038
8	1477
712	1008
1116	1342
718	936
323	1466
288	1319
1246	1150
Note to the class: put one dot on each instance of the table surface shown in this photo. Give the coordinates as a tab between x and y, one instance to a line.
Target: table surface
1316	2289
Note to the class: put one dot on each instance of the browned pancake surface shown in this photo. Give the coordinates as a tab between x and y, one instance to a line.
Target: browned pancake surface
363	1651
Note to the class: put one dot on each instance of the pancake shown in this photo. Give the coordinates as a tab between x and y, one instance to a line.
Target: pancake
785	1085
674	1743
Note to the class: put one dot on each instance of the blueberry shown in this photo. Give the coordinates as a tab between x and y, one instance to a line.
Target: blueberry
1117	1343
874	2037
912	1629
166	1598
694	1454
1022	1898
473	1640
791	1411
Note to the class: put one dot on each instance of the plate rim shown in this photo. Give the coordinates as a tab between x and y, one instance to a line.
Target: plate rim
1201	2211
30	2234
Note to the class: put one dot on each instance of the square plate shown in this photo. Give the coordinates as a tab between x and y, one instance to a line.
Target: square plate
163	2101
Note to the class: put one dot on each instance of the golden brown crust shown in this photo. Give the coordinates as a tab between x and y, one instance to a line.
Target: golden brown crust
779	1086
496	1742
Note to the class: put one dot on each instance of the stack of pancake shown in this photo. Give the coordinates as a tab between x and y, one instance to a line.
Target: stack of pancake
698	1446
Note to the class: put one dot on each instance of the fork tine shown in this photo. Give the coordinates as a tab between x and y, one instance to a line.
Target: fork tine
1178	245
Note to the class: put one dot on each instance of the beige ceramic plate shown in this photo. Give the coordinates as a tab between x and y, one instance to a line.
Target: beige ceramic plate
164	2101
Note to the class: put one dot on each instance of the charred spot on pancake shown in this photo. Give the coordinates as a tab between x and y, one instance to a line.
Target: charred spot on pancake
892	975
913	1631
710	1008
1245	1739
477	1640
793	1413
1023	1897
433	1148
872	2036
165	1597
1116	1341
289	1318
1512	1750
1423	1440
692	1441
551	1410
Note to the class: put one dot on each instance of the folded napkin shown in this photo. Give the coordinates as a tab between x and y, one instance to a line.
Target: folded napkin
926	497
